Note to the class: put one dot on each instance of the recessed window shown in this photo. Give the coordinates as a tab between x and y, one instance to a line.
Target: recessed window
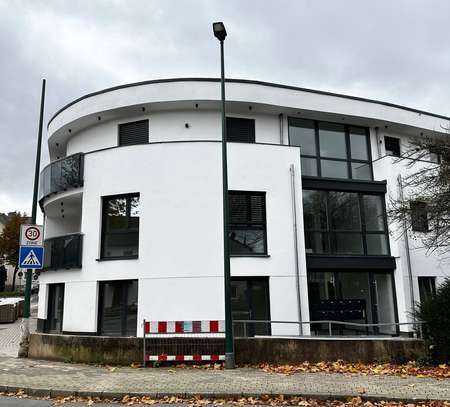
392	146
427	288
54	322
419	216
240	130
133	133
331	150
247	223
344	223
118	303
120	231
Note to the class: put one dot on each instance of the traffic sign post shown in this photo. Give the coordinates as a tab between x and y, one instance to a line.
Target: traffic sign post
24	341
31	257
31	235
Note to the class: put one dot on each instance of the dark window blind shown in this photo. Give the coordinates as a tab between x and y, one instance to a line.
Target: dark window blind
240	130
133	133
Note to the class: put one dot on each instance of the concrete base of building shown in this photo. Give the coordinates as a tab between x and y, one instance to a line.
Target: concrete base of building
124	351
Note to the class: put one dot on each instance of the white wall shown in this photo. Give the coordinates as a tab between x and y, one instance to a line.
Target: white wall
180	265
171	126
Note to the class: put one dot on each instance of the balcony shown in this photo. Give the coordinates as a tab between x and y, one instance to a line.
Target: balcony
63	252
62	175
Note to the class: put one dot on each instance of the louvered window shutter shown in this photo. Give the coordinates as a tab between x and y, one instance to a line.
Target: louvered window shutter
133	133
240	130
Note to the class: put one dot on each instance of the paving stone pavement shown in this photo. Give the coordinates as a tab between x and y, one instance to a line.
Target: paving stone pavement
10	337
56	378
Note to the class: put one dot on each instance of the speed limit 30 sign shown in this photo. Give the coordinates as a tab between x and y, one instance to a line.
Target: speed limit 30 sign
31	235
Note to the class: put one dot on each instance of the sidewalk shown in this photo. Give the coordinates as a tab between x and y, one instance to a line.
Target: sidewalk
42	378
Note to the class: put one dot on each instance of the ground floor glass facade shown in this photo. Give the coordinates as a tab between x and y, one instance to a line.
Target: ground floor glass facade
352	296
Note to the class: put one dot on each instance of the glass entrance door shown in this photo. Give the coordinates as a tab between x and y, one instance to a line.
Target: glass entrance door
250	301
355	297
55	308
118	308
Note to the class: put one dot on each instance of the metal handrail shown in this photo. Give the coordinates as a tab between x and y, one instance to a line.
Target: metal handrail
331	322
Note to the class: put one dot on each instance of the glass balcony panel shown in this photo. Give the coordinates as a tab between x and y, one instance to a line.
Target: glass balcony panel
63	252
62	175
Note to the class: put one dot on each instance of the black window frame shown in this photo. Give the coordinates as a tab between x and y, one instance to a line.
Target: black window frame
329	231
104	232
124	309
397	150
349	160
122	125
241	119
419	216
249	225
50	299
427	287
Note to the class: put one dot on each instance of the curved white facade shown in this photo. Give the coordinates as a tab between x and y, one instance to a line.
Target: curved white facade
178	176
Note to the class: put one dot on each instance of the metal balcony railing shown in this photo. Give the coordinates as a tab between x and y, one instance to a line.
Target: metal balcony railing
63	252
62	175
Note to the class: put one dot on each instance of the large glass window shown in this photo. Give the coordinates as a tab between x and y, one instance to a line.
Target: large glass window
250	301
357	297
247	222
332	150
54	323
118	308
344	223
120	232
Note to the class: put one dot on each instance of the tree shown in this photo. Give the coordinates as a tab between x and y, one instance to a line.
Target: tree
435	312
9	242
426	191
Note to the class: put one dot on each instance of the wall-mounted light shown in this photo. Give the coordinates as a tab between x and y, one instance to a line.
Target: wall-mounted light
143	108
250	108
70	130
99	118
196	105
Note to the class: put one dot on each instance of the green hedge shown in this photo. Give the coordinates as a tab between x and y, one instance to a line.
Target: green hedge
8	294
435	312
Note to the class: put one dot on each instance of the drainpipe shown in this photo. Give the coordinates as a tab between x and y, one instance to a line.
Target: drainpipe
297	271
408	256
281	127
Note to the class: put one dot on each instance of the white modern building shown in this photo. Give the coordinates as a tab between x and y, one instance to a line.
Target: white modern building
133	210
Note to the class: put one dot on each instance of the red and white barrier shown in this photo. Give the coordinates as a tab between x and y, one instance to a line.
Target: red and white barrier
184	358
178	328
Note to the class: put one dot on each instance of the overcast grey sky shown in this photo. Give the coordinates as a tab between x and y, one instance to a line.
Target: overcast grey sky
397	51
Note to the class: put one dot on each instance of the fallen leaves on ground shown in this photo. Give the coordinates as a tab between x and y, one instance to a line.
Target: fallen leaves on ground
266	400
408	369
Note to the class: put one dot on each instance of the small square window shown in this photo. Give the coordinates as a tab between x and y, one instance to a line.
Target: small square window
133	133
240	130
392	146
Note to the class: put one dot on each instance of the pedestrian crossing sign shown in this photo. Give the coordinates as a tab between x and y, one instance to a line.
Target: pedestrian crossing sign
31	257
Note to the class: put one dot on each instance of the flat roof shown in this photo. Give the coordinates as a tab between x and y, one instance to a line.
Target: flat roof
244	81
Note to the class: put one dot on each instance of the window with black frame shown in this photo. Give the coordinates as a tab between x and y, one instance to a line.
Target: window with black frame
419	217
120	230
118	303
247	223
344	223
332	150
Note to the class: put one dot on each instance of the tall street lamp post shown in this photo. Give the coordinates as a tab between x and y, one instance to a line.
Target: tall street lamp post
220	33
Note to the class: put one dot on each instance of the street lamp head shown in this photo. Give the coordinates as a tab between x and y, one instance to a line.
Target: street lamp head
219	31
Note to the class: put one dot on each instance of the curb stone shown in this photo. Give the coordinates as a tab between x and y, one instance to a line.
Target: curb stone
40	392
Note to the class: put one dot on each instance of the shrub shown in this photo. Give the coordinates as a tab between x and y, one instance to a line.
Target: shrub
435	312
7	294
